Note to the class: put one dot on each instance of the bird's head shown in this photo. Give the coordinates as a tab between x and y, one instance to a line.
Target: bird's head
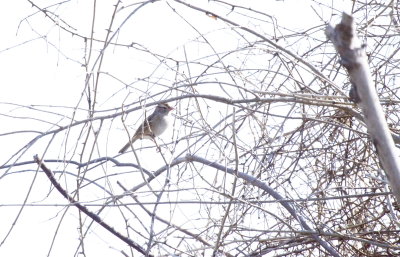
164	108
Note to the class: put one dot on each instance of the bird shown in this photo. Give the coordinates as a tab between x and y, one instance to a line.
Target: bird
152	126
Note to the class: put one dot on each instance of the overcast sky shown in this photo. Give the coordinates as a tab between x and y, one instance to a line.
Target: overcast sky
42	65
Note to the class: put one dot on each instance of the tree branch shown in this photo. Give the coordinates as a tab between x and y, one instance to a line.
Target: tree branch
258	183
85	210
363	92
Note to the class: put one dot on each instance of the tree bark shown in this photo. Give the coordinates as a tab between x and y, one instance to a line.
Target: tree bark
363	92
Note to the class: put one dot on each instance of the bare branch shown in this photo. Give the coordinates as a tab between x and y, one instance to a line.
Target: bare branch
363	91
82	208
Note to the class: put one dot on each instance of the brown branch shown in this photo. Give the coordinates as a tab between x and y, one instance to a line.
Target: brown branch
85	210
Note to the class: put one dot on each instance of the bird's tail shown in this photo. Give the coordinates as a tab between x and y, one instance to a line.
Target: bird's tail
123	149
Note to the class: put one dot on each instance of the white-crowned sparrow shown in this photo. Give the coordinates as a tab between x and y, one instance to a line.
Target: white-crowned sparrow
153	126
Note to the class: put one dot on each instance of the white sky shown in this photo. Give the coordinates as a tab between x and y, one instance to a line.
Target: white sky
35	73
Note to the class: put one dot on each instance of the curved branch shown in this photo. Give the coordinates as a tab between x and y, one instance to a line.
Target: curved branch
255	182
280	48
292	99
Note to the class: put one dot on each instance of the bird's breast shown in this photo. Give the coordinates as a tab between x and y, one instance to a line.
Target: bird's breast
160	127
